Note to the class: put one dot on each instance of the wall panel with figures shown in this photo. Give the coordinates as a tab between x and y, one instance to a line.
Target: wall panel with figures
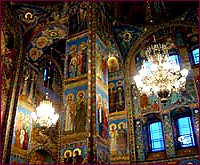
116	95
102	112
23	128
101	61
75	110
76	60
74	154
78	16
102	105
118	140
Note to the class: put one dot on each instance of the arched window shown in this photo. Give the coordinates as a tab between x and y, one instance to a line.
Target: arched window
193	49
48	74
45	74
185	135
173	59
183	129
156	137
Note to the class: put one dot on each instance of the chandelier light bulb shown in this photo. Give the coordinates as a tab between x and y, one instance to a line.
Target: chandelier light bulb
154	67
138	78
166	66
176	68
34	116
184	72
142	72
156	89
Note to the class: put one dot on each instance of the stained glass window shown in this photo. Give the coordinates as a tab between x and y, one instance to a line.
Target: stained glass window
195	54
186	136
45	74
156	137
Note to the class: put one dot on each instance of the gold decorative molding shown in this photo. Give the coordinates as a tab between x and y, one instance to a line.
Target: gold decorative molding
73	137
18	151
77	81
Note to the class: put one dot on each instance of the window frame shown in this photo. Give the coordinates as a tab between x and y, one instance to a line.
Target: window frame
190	55
150	140
193	58
178	145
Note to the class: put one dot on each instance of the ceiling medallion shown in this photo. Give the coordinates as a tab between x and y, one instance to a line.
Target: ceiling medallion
127	36
28	16
53	33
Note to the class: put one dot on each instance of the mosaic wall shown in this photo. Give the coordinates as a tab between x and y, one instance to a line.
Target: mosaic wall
22	128
103	24
75	109
76	60
9	52
116	95
42	40
101	61
126	35
102	112
28	85
118	134
74	154
143	105
17	160
103	155
40	156
139	142
78	17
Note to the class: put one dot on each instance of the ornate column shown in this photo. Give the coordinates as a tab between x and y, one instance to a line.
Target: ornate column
196	122
91	87
10	110
139	140
169	140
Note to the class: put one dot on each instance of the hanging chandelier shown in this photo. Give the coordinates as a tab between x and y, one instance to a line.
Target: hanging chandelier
157	75
45	115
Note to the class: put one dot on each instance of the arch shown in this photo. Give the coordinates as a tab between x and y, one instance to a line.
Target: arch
184	132
56	63
41	156
179	111
39	147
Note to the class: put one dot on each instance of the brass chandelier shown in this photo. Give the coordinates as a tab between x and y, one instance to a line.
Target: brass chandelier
161	77
45	115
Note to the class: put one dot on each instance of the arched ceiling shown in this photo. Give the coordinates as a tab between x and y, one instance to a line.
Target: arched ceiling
142	13
130	19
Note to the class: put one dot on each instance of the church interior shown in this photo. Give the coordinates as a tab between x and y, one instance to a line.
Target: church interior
99	82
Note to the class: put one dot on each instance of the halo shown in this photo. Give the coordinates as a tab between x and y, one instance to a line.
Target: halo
70	153
82	45
119	83
79	92
120	124
20	115
72	48
111	85
27	117
77	149
99	98
70	95
113	124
